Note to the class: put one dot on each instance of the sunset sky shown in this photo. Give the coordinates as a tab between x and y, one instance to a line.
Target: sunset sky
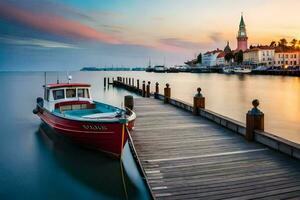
70	34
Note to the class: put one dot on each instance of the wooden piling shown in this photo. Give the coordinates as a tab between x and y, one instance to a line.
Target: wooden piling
144	89
156	90
148	89
104	81
138	84
129	81
128	102
254	121
167	93
199	102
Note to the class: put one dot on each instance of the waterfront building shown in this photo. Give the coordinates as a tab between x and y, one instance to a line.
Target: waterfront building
287	58
261	55
221	59
210	58
242	38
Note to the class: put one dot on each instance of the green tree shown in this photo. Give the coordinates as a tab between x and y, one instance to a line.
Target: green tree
283	43
294	43
239	57
199	58
228	57
273	44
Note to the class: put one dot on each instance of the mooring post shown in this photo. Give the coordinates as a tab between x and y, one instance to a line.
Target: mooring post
167	93
132	82
108	81
129	81
104	81
144	89
138	84
254	121
123	80
126	81
199	102
128	102
148	89
156	90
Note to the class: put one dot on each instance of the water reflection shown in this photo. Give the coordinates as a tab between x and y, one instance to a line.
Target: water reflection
94	169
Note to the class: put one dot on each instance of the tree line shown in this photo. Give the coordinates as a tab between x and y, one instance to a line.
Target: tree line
283	45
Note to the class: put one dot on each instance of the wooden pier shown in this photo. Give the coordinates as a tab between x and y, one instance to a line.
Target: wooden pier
206	156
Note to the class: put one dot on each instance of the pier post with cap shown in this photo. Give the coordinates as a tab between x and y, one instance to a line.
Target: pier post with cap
128	102
199	102
144	89
156	90
148	89
254	120
167	93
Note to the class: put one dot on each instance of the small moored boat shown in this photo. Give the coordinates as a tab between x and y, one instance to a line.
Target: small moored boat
69	109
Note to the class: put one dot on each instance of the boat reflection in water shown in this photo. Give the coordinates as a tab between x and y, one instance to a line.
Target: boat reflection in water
94	169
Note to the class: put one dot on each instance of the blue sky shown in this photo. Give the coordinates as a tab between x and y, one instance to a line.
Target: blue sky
70	34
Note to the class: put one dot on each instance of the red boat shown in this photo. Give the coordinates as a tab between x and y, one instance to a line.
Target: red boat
69	109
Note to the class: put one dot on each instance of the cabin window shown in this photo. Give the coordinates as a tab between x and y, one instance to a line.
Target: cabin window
83	93
58	94
71	93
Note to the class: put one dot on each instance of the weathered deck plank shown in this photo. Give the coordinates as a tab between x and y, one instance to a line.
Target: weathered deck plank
188	157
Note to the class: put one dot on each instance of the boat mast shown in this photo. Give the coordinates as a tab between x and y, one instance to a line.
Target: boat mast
57	78
149	62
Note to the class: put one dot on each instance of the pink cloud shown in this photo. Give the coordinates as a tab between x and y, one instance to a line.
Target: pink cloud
54	24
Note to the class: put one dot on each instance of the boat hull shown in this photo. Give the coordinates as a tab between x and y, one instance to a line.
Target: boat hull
109	137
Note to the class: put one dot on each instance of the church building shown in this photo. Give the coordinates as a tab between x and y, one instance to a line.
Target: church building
242	38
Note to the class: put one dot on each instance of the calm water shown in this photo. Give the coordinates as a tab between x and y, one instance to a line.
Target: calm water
33	166
231	95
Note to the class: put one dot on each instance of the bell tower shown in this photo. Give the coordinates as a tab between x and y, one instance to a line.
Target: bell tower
242	38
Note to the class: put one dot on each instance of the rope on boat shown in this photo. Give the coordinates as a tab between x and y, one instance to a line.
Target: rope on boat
121	164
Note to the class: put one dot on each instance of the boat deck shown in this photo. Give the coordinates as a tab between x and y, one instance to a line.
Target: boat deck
188	157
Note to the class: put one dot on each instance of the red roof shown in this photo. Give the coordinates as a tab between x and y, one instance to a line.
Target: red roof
287	51
221	55
59	85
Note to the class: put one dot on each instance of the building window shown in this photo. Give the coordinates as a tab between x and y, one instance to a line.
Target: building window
286	62
278	62
295	62
286	56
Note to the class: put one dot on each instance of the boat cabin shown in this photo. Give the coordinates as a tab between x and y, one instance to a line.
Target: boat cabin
67	96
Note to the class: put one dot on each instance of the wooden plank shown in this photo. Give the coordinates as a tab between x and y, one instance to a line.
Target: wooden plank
187	157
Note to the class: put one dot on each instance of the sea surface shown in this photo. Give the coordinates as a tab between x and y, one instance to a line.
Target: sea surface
32	166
